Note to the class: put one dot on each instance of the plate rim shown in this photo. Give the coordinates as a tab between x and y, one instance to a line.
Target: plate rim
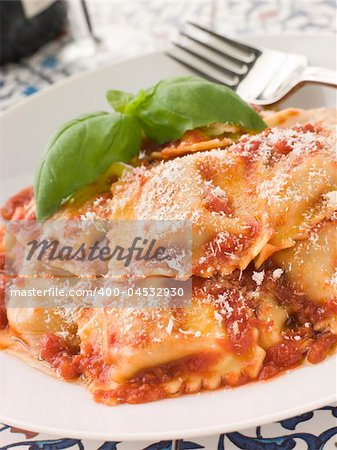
187	433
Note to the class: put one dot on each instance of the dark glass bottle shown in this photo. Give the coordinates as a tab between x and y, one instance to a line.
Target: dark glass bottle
24	30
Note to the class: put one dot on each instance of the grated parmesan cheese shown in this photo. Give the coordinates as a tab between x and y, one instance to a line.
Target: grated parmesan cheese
258	277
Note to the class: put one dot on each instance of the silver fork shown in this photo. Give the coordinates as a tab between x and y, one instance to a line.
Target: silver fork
259	75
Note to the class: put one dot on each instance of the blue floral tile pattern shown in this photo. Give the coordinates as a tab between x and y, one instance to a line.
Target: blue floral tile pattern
156	24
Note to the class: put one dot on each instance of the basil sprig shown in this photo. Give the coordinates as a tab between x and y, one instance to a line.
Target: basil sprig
80	152
176	105
119	99
85	148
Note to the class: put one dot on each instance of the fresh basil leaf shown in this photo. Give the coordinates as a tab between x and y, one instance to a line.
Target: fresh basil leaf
119	99
176	105
79	153
132	107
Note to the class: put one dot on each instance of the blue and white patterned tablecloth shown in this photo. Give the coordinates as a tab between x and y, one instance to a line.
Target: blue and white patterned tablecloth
143	26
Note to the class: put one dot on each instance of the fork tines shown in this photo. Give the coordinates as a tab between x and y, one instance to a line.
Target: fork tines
213	56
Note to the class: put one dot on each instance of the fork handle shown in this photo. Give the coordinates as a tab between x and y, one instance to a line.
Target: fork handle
319	75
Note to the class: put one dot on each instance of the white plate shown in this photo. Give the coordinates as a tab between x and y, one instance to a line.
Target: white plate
34	401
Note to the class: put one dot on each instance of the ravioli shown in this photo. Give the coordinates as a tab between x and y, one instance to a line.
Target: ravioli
213	191
213	342
298	182
311	267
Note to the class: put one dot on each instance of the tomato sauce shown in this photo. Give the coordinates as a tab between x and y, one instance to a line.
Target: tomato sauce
321	346
281	357
299	306
131	393
14	208
58	354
